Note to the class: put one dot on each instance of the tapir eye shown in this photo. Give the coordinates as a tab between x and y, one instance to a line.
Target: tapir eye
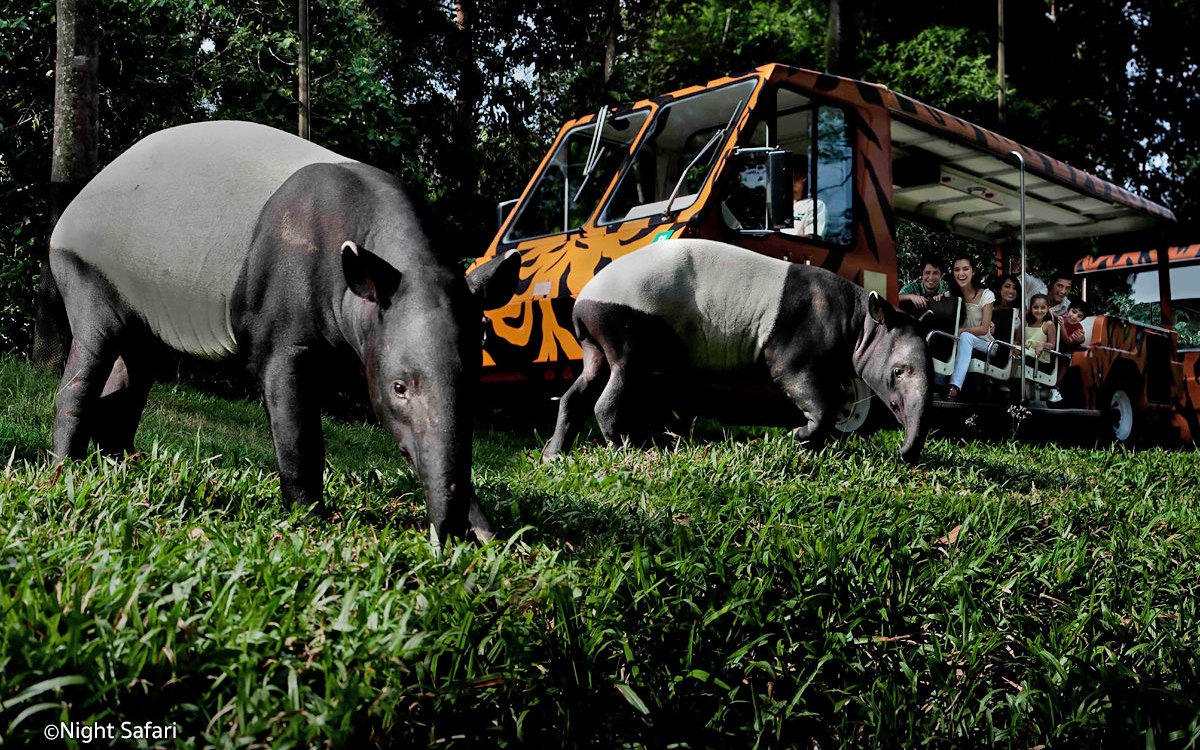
400	389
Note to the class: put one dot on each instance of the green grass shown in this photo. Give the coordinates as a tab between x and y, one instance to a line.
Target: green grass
722	592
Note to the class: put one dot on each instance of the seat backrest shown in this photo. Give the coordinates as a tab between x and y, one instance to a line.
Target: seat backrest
1003	321
943	314
1087	329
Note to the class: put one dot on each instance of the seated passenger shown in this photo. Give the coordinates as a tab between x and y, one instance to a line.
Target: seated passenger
930	287
975	332
1073	336
1072	324
1040	335
808	218
1008	297
1008	293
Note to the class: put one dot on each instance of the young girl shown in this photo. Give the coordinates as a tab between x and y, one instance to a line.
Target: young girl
1039	328
1040	334
975	332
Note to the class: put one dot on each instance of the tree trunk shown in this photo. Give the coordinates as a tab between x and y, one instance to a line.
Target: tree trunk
73	159
610	41
839	45
303	65
464	131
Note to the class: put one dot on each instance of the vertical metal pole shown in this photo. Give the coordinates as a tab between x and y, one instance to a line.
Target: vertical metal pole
303	129
1024	273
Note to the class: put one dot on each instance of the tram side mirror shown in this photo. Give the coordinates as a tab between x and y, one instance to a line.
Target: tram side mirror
503	209
779	189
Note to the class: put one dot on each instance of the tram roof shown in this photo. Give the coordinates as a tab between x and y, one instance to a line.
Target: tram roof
951	173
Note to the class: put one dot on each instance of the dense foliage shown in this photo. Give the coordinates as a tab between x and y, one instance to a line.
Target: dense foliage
720	592
460	98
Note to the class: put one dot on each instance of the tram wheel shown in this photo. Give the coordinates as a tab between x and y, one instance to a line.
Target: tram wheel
856	408
1122	416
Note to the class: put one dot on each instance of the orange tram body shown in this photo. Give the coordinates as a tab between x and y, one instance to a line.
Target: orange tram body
716	161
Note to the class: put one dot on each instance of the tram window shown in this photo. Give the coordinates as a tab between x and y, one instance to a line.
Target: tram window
819	138
683	145
562	199
834	174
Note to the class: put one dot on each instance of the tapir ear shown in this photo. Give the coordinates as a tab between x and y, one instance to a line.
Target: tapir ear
882	312
877	307
494	282
368	275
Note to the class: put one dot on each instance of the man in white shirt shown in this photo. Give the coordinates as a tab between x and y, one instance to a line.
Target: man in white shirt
1030	284
1056	294
808	217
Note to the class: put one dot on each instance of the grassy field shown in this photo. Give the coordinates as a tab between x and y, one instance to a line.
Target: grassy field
723	592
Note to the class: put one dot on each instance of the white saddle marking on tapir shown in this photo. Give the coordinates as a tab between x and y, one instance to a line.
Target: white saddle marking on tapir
721	300
169	222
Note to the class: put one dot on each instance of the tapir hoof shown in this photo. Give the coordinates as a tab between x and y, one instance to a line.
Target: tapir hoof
804	433
480	535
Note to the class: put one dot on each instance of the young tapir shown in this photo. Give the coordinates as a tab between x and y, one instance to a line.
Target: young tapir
697	305
224	238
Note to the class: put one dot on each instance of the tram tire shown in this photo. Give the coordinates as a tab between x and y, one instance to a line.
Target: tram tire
858	414
1118	403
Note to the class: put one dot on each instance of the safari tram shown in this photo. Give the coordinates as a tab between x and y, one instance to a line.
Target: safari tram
724	161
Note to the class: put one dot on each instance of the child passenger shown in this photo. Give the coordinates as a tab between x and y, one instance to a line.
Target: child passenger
1072	324
1040	334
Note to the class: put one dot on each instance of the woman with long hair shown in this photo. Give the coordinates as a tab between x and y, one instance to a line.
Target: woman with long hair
975	333
1008	293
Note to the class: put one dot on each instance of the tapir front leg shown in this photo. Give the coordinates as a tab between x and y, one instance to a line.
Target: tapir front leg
123	399
814	397
294	412
78	394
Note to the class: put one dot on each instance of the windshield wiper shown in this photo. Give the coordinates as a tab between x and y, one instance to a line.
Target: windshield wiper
716	137
594	152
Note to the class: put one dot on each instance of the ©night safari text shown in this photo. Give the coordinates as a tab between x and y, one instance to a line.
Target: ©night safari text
126	730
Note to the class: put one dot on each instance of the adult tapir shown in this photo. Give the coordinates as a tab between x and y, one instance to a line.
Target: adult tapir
697	305
230	238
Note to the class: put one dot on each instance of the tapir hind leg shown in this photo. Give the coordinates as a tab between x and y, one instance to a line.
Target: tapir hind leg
97	323
578	401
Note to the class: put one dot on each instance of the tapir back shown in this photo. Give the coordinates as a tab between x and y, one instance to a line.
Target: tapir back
722	301
169	223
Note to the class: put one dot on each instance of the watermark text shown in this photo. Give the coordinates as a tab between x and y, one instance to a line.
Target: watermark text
110	731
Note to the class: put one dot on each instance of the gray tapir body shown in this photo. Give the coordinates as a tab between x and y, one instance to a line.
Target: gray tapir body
697	305
226	238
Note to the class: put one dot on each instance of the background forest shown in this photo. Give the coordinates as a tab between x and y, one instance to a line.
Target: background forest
462	97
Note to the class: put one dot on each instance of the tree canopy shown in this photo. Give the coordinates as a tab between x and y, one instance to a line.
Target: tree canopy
461	98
